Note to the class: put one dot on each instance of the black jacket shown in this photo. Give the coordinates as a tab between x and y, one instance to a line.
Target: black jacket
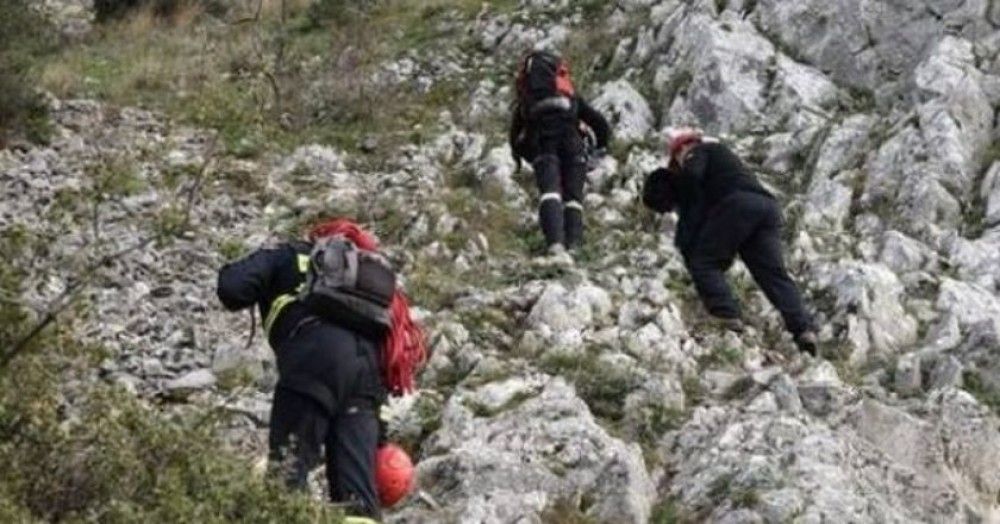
710	173
554	123
315	357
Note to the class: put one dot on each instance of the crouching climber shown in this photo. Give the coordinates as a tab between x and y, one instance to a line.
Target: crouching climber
545	131
724	211
343	338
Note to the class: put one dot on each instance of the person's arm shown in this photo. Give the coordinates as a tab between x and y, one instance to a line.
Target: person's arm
515	139
596	121
516	127
243	283
657	193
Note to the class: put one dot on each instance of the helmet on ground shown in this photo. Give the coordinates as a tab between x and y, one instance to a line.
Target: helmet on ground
678	138
394	474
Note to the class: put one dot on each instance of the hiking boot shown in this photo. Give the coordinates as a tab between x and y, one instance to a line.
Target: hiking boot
807	342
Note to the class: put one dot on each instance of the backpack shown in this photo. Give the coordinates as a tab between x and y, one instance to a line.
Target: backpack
349	285
543	76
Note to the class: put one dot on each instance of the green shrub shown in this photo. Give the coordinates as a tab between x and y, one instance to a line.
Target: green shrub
116	460
24	35
93	453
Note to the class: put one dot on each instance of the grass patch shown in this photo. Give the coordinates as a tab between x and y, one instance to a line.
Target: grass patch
667	511
565	511
721	356
986	395
603	389
233	249
266	84
694	391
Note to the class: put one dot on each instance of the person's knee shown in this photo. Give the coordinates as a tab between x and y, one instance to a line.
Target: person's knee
700	263
547	173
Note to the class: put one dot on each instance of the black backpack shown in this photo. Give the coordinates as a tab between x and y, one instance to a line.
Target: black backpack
544	77
349	285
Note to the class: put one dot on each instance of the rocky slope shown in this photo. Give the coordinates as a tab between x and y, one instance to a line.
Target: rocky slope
597	389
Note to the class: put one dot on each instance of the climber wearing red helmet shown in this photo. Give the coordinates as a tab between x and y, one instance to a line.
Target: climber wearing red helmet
724	211
342	337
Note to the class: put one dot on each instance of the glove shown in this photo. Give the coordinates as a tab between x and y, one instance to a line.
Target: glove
595	157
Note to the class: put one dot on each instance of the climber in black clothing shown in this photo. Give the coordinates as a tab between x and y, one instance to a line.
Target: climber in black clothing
545	131
333	374
724	211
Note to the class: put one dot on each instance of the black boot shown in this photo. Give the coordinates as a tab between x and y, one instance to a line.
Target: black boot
573	220
550	215
807	342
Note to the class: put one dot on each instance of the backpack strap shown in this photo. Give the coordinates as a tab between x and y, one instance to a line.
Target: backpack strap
283	300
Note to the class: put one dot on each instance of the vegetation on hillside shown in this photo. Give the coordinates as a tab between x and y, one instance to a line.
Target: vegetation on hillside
24	36
78	451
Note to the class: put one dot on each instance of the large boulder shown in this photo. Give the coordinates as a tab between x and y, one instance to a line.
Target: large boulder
727	92
627	109
760	463
865	44
563	314
507	451
929	167
869	299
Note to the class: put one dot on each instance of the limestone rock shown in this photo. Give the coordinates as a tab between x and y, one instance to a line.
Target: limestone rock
627	110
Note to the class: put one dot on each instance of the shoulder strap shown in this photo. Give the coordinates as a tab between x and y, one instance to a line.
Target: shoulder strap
283	300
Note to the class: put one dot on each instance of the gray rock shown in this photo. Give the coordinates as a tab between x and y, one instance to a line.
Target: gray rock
870	297
497	169
191	382
828	206
977	260
903	254
561	310
845	147
477	465
947	373
728	92
627	109
990	192
908	378
821	391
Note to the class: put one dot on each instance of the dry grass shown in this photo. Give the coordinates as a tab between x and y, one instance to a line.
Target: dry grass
228	76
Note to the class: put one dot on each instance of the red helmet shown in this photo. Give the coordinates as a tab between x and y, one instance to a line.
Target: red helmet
393	474
681	137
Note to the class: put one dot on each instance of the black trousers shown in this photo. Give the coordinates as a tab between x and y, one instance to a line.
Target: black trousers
748	224
560	172
336	423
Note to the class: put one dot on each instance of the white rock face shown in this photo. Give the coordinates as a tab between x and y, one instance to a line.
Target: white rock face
600	389
903	254
627	110
794	465
990	192
510	466
727	93
561	312
871	298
